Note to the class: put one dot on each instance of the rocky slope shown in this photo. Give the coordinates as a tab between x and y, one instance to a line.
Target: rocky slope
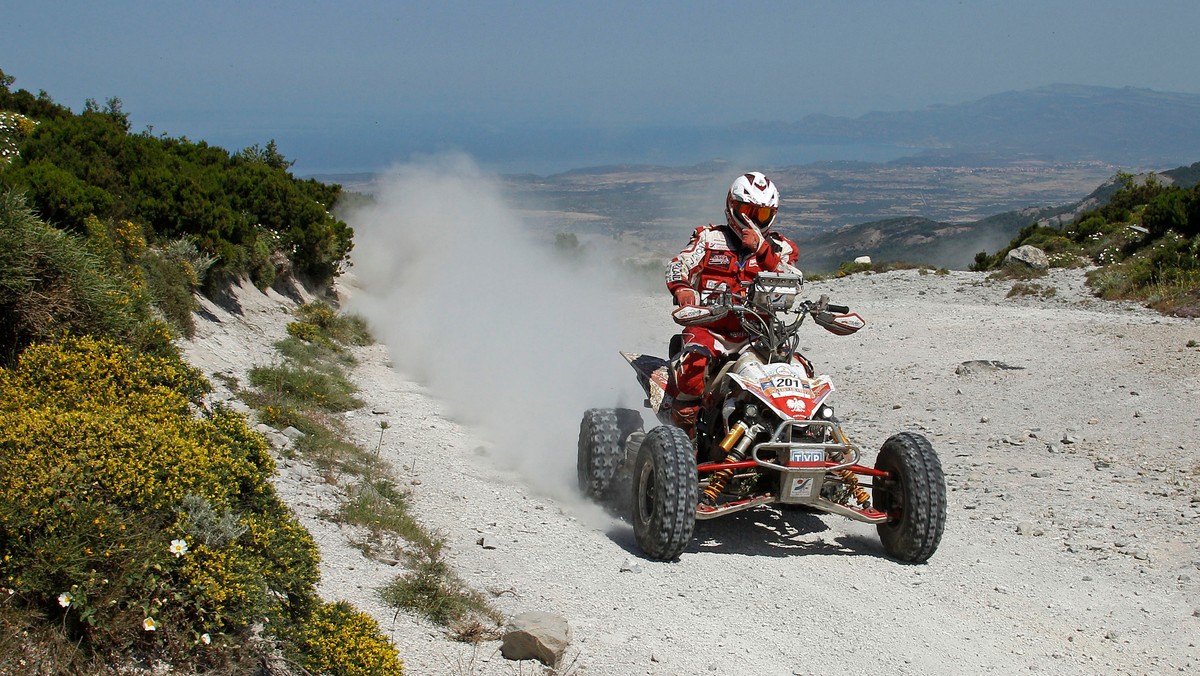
1072	543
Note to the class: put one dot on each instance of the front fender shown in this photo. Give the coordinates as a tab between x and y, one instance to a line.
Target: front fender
789	395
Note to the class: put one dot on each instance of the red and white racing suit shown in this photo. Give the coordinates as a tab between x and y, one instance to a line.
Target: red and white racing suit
715	260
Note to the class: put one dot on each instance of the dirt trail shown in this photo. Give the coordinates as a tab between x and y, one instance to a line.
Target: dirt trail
1072	543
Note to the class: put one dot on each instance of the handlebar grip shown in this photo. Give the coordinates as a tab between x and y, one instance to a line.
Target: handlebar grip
843	309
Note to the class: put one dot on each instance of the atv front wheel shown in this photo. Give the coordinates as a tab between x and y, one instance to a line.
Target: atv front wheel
913	496
602	436
665	493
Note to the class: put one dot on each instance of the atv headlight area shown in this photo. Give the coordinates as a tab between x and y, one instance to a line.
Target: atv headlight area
776	290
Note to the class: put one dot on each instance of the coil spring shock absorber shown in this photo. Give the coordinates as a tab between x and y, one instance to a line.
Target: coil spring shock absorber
734	444
850	480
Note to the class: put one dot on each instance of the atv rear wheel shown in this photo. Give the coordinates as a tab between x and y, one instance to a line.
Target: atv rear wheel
665	493
913	495
602	436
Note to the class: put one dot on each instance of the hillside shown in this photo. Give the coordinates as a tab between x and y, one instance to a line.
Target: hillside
918	240
1127	126
953	245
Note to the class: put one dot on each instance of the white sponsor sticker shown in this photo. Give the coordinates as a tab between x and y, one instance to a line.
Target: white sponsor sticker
802	487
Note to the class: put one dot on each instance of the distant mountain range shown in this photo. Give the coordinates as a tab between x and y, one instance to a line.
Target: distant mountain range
952	245
1126	126
1008	151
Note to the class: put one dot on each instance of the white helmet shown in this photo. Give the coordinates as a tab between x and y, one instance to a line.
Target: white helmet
753	201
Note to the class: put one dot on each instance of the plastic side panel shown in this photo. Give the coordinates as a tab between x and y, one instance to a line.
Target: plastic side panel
652	374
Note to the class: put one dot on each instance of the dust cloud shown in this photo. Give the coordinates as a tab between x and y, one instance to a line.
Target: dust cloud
516	338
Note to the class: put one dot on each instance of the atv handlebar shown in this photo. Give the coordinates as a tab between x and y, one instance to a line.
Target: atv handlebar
762	306
725	302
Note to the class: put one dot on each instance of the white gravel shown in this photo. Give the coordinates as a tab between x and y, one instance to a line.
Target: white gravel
1072	558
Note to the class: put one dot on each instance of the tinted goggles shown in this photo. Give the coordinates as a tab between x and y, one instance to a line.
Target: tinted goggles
759	215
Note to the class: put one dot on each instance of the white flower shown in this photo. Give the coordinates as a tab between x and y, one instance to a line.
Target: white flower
149	624
179	547
65	598
206	639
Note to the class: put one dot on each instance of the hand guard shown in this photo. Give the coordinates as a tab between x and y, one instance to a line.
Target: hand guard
698	315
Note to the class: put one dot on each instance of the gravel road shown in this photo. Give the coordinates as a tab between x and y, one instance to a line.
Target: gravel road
1072	542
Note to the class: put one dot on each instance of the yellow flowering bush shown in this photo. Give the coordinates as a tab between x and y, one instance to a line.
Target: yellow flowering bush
224	588
131	516
342	641
309	333
280	540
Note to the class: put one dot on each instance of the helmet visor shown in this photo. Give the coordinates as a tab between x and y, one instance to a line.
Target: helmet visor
759	215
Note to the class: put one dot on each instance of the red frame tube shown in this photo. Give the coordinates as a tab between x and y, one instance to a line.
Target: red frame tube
710	467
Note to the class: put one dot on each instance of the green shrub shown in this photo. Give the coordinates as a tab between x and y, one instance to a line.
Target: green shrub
340	328
237	208
983	262
314	352
14	128
258	264
1031	289
432	590
172	284
52	282
302	387
849	268
1169	211
1089	226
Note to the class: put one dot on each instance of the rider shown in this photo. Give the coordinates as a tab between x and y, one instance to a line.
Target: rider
721	258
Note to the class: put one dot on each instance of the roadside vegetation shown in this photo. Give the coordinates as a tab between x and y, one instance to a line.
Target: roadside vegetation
306	391
136	531
1144	243
139	528
243	211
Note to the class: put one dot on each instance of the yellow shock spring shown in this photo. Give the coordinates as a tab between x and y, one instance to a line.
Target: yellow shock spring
851	480
716	482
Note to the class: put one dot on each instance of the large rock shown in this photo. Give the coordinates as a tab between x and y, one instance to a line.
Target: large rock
1027	256
536	636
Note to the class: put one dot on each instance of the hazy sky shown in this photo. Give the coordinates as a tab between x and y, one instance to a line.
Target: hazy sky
359	84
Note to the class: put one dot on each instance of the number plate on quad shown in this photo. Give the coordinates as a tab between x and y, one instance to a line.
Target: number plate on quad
798	455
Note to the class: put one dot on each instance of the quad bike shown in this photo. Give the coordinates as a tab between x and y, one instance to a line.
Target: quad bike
765	434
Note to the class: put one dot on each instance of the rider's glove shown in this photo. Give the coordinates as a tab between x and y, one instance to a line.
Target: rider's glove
686	296
753	239
762	247
690	312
